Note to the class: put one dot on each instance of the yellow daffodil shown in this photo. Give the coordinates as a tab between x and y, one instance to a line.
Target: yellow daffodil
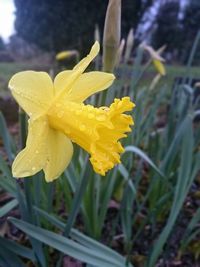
159	67
58	117
156	58
66	54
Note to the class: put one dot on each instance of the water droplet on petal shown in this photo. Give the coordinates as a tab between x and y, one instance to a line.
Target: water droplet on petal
90	108
90	116
82	127
60	114
36	152
33	168
101	118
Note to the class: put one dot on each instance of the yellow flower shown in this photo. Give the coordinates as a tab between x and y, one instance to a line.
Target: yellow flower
66	54
156	58
58	117
159	67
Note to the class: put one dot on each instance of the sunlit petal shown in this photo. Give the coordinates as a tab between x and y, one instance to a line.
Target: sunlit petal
30	89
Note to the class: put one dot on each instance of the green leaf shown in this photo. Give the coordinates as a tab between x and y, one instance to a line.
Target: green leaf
68	246
17	249
143	156
10	259
7	141
8	207
81	238
181	190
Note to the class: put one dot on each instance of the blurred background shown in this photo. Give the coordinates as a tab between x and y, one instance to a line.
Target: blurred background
28	26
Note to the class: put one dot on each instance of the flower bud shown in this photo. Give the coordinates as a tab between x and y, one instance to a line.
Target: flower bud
112	33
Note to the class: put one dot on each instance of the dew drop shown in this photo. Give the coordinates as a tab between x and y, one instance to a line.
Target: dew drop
90	116
90	108
36	152
82	127
101	118
60	114
58	105
33	168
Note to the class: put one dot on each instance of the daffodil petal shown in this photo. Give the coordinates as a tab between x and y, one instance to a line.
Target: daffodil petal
30	89
59	154
33	157
83	64
64	80
45	149
88	84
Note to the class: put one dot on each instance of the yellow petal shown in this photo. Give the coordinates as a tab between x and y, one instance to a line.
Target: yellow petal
59	154
33	157
159	66
64	80
45	149
83	64
30	89
88	84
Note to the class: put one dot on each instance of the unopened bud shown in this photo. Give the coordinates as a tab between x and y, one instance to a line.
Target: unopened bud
112	33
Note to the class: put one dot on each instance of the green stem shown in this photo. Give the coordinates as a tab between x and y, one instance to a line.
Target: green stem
76	204
80	191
